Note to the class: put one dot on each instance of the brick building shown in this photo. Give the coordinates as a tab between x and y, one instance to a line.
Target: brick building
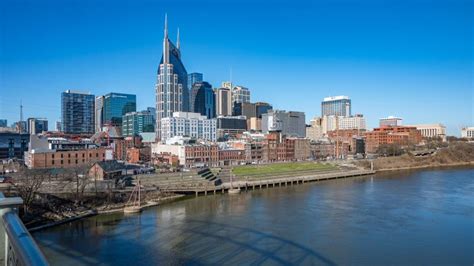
401	135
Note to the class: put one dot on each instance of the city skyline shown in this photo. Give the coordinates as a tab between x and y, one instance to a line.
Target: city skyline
418	77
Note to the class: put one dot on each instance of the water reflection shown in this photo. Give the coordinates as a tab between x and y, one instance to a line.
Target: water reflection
420	217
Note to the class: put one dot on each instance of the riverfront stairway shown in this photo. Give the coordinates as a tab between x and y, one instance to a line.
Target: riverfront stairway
209	176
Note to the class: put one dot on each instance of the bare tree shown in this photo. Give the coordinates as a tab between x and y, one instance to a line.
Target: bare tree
28	184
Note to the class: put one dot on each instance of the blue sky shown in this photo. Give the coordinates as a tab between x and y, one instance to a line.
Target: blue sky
409	58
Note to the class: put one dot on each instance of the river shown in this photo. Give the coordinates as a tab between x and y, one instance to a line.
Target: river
397	218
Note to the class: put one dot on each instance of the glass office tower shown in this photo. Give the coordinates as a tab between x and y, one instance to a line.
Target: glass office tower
336	105
116	105
203	100
194	78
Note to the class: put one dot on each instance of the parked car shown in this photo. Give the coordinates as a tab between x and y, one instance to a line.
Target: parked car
5	179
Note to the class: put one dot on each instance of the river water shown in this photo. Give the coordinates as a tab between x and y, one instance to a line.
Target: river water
398	218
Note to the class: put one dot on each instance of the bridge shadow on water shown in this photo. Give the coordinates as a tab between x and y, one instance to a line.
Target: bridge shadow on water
190	242
232	244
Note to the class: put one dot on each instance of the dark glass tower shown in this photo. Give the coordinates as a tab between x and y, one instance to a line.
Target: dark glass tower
172	94
202	99
77	112
194	78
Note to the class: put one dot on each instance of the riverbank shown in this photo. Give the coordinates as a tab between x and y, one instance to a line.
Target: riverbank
456	154
431	166
103	210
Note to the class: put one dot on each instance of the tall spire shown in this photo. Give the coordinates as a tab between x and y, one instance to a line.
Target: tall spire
177	41
166	25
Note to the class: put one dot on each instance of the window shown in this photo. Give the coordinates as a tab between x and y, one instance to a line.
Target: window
62	162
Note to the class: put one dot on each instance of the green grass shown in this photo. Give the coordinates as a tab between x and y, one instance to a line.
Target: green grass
279	168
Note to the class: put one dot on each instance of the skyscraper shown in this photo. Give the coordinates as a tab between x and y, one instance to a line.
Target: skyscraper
262	108
99	113
336	105
77	112
223	102
172	94
37	125
202	99
3	123
194	78
240	95
115	106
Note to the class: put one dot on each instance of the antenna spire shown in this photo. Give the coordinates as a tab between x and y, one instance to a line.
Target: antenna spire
166	25
177	41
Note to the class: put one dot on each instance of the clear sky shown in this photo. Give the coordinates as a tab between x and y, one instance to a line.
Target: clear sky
408	58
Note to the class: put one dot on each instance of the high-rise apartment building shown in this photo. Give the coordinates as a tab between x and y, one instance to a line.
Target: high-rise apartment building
336	105
116	105
135	123
202	99
194	78
172	94
37	125
77	112
223	102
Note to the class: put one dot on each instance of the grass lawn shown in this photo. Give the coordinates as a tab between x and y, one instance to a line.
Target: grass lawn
279	168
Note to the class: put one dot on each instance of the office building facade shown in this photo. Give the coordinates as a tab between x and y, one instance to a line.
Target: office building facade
390	121
194	78
336	105
135	123
262	108
77	112
172	94
99	113
116	105
288	123
37	125
3	123
431	130
240	95
202	99
223	102
188	124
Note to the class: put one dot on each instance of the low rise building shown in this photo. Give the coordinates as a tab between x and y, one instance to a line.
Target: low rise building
431	130
399	135
467	132
231	126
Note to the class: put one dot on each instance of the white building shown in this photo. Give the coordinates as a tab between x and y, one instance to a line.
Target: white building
331	123
432	130
240	95
188	124
467	132
352	122
390	121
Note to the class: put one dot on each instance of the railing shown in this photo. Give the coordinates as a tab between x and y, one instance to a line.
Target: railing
20	247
